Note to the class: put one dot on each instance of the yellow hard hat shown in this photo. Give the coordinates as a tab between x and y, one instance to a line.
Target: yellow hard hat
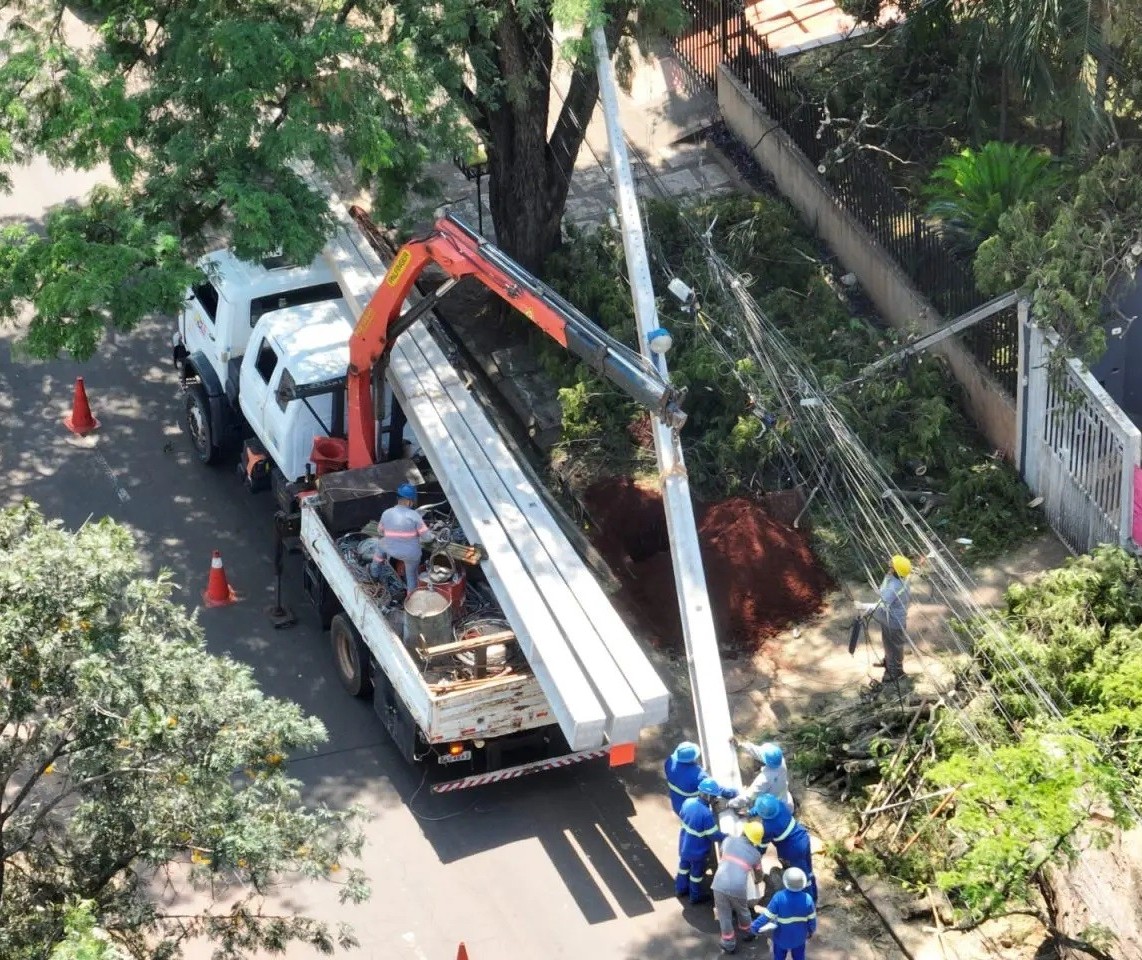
902	565
754	833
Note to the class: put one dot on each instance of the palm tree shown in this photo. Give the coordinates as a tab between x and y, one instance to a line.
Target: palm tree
1043	51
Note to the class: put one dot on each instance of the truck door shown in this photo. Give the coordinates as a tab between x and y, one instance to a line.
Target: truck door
259	378
198	323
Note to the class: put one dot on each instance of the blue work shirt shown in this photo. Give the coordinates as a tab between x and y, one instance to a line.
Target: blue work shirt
700	830
895	596
795	915
682	780
786	834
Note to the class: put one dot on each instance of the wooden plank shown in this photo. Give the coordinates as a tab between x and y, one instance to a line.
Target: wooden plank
462	646
573	703
625	716
620	645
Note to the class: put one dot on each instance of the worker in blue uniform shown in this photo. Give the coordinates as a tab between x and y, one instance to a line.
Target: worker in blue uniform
683	774
696	839
791	914
789	838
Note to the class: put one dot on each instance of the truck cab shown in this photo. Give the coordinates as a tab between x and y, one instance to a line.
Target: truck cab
217	324
290	350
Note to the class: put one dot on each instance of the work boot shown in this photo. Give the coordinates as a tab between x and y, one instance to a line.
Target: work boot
700	898
729	947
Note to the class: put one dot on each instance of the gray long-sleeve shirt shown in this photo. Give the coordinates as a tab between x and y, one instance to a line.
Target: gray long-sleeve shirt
739	859
895	596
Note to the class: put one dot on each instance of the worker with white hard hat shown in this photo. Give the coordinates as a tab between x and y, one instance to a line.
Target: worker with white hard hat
402	533
891	613
772	778
792	916
738	865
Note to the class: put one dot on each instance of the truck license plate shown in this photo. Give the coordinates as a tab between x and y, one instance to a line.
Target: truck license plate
454	757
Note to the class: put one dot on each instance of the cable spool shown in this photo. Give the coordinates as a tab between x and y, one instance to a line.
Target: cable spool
498	655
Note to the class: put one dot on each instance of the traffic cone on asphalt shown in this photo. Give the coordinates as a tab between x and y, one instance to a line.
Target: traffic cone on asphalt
80	419
218	591
462	953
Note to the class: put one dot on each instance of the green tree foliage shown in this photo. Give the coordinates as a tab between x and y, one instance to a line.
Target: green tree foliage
971	190
1071	254
1027	781
201	107
128	753
83	938
910	416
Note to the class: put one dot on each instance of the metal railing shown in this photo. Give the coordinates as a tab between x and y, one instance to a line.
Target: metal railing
719	33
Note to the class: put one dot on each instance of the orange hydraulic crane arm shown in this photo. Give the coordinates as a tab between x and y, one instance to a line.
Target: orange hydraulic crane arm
461	253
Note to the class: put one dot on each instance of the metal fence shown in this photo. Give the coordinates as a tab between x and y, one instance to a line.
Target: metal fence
719	33
1079	449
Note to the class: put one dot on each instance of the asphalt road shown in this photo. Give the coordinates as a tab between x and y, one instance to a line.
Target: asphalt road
575	863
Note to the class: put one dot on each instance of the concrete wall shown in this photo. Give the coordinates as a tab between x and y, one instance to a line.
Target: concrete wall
900	303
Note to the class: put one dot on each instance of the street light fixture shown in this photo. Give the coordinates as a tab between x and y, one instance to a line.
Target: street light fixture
474	166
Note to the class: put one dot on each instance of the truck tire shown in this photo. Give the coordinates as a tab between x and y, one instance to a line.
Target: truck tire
196	422
350	657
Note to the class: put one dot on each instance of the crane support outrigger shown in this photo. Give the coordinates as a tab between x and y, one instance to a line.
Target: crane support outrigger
462	253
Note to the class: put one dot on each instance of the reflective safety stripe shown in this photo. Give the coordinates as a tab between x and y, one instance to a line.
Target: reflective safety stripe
682	792
402	534
784	833
702	833
729	937
812	916
738	861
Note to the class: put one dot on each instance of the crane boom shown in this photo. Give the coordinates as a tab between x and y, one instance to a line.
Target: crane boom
461	253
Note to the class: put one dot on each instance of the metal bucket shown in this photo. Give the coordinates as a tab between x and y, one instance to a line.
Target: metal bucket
443	576
427	619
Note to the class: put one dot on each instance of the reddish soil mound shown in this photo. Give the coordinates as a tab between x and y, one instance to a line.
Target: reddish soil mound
761	574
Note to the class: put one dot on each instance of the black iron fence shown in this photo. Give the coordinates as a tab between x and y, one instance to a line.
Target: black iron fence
719	33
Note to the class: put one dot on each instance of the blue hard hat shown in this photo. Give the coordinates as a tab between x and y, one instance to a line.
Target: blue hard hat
766	806
771	755
687	752
406	491
709	786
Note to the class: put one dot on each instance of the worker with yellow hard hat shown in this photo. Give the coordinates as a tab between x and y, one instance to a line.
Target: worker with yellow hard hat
735	879
891	613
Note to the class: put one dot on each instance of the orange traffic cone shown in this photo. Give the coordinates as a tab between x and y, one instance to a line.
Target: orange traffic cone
80	419
462	953
218	592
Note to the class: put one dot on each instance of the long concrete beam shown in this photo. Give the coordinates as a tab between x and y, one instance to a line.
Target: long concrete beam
711	705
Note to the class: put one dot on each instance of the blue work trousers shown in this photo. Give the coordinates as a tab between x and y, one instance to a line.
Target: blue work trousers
780	953
691	877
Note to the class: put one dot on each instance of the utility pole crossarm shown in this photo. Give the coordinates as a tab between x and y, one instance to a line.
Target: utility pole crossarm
929	340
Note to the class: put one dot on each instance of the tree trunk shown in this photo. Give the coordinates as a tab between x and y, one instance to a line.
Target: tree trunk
1095	901
529	170
1004	94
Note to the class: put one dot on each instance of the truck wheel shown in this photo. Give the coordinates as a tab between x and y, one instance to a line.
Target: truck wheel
197	425
350	656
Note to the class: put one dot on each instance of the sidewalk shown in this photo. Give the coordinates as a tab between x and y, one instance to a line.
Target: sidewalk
662	108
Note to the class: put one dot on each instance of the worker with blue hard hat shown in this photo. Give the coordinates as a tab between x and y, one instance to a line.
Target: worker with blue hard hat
402	532
772	778
684	772
696	839
789	838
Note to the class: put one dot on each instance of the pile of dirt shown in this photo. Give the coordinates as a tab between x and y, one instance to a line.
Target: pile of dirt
761	574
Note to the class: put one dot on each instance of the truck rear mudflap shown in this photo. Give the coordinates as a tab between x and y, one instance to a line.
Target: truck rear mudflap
624	753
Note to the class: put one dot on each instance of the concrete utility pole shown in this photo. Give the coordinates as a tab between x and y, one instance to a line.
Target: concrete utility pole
711	706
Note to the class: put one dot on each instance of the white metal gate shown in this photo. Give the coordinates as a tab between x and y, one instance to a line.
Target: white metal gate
1078	450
